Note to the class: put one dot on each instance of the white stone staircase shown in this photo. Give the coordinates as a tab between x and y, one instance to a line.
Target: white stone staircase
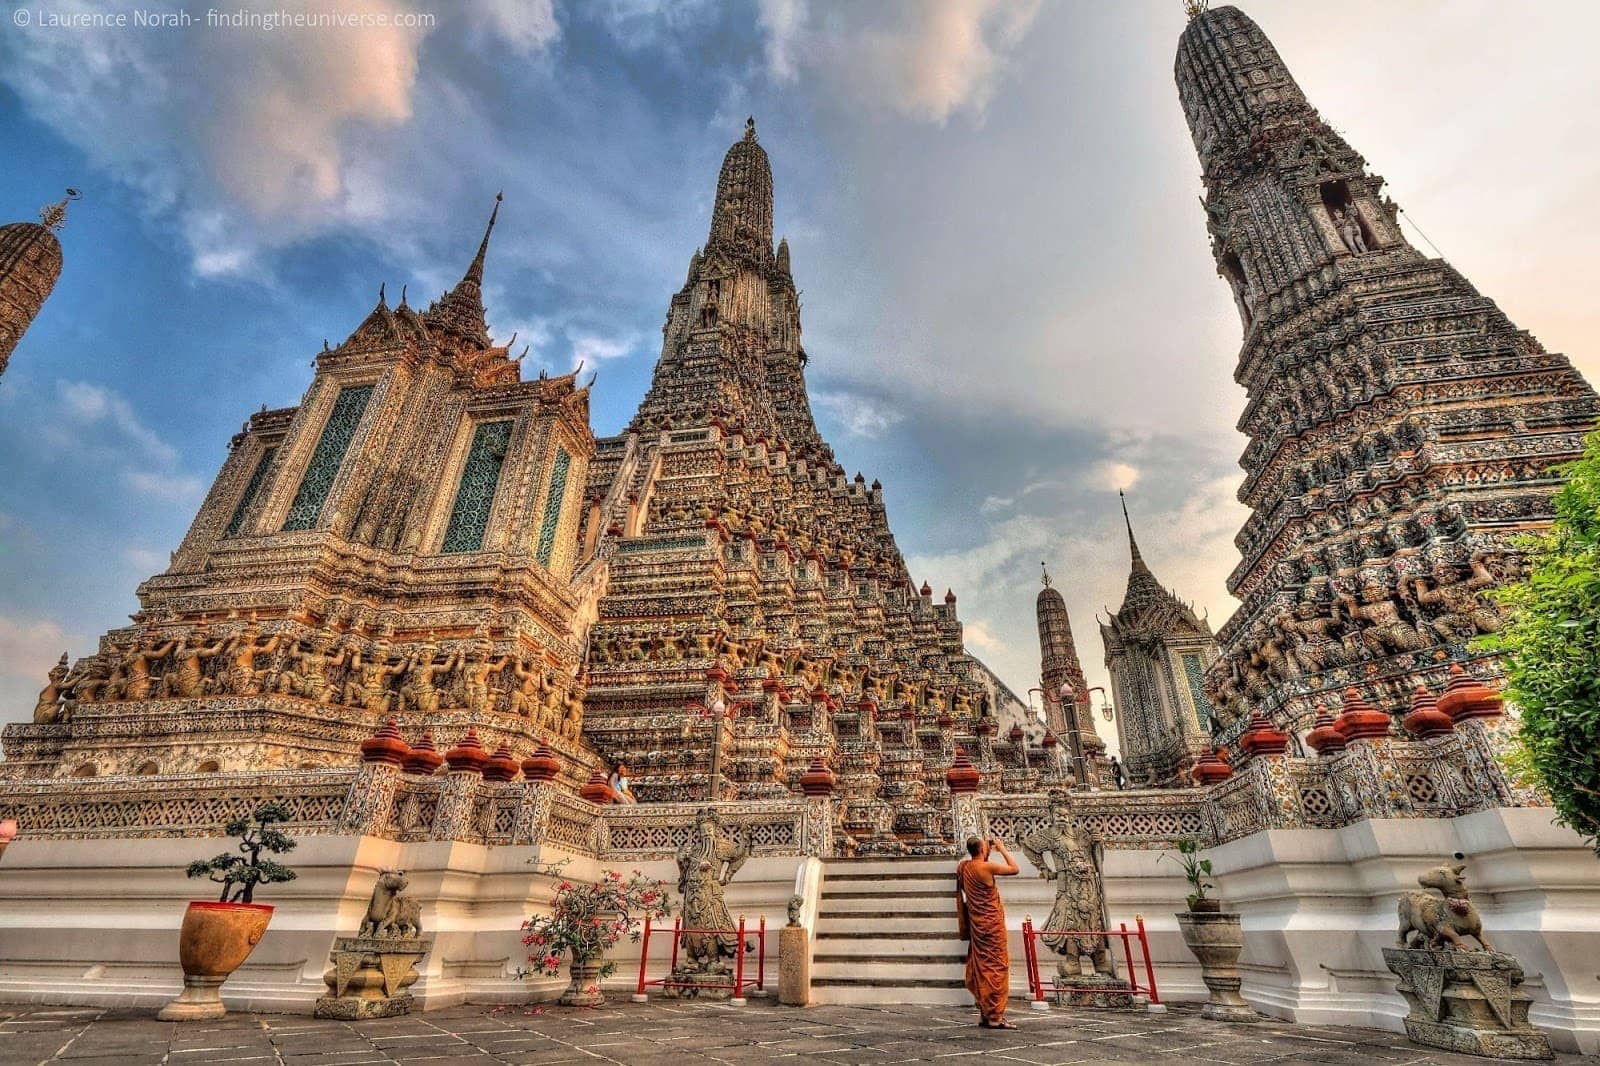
886	933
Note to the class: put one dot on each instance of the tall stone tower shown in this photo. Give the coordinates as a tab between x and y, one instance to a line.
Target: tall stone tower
30	263
1157	651
402	542
757	613
1402	429
1067	713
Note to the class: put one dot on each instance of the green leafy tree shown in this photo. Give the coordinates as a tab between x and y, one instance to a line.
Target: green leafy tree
240	874
1551	650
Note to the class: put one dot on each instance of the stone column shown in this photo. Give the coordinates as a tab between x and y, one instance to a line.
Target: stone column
369	805
539	772
459	796
966	816
818	819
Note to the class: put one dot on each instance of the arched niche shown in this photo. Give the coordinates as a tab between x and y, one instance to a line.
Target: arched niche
87	769
1340	205
210	766
148	768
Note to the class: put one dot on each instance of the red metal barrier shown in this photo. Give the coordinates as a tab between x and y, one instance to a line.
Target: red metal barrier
738	985
1038	987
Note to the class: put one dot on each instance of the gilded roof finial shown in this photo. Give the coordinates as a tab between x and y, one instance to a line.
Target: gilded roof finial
1046	570
1133	545
475	271
1195	8
56	214
750	128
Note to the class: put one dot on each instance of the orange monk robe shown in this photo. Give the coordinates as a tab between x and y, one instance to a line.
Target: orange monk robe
982	918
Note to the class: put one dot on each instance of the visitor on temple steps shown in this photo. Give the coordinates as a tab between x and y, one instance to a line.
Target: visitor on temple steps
619	785
1117	774
981	918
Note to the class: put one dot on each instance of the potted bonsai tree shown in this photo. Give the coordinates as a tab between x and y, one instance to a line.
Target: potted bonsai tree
218	935
1216	938
584	921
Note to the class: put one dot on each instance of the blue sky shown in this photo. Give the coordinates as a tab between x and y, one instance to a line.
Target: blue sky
1009	304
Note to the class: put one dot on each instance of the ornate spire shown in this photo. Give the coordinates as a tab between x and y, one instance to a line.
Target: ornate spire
459	314
475	271
741	221
1143	588
1046	570
55	214
1133	545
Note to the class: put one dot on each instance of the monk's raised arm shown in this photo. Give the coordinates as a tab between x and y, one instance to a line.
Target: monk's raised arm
1006	869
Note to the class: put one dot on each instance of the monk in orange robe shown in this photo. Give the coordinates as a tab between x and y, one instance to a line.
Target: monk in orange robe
982	920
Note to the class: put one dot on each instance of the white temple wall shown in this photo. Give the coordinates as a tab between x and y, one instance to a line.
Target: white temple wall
95	921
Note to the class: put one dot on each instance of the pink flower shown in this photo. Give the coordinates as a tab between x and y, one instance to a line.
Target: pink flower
613	875
551	961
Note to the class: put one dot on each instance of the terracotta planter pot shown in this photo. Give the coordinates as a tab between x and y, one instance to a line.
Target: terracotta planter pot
214	941
1217	940
584	989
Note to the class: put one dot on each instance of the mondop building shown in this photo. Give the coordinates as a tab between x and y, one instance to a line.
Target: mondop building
710	597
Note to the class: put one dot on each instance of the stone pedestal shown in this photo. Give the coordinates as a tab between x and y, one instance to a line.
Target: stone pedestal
697	984
368	977
794	966
1096	990
583	988
1216	940
1467	1001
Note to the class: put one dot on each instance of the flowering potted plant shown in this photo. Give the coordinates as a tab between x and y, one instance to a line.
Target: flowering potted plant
584	921
218	935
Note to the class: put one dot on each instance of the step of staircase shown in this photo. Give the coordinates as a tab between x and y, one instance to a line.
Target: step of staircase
886	933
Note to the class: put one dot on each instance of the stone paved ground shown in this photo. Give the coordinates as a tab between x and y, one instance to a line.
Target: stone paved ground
665	1034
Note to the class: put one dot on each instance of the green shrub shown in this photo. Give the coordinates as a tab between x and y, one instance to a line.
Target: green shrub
1551	650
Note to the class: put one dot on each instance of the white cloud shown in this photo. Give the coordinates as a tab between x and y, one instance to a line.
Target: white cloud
169	488
781	21
995	504
244	138
528	26
925	60
860	416
90	406
977	635
638	24
591	350
1112	475
146	560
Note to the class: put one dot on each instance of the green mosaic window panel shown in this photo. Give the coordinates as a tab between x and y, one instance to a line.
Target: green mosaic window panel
328	456
552	506
257	479
1194	671
480	477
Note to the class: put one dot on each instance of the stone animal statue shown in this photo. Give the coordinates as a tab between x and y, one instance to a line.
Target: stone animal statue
1436	922
391	914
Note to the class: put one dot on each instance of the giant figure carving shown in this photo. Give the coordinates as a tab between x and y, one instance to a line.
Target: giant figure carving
186	674
241	677
1386	631
1065	854
1461	610
706	863
48	708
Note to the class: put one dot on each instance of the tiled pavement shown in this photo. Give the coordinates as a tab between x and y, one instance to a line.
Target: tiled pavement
667	1033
